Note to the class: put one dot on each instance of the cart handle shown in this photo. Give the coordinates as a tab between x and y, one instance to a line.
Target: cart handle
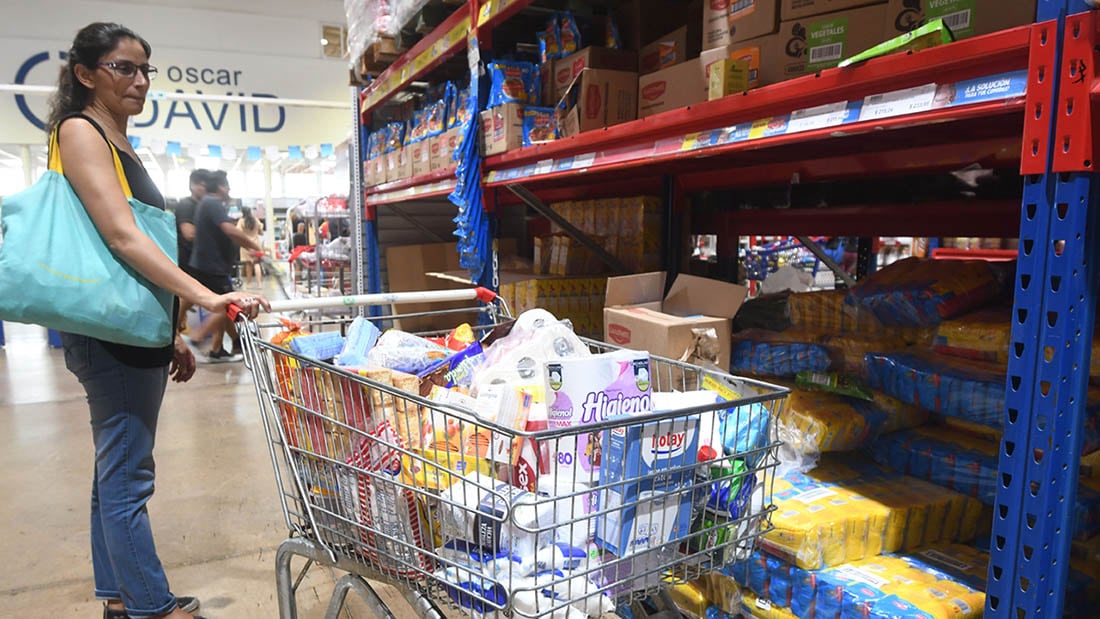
386	298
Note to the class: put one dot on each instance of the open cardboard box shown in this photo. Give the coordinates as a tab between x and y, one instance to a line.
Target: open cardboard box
638	315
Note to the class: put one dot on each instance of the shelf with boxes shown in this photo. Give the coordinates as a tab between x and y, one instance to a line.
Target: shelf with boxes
943	108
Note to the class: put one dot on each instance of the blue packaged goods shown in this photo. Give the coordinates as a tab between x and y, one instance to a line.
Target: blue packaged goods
769	353
513	82
539	125
968	465
570	34
320	346
647	507
362	336
550	41
916	292
970	390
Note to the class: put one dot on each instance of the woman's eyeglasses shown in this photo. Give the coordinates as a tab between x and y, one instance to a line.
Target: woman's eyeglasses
127	69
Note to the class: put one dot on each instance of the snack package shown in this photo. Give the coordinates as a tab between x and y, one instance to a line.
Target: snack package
539	125
550	41
570	34
849	509
770	353
917	292
461	108
832	382
817	422
362	336
848	350
612	40
513	81
405	352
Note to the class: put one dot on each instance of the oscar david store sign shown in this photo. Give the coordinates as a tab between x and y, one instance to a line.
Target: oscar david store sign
27	62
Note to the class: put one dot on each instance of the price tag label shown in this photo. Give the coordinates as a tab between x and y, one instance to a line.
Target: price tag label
584	161
691	141
421	61
898	103
759	127
819	117
545	166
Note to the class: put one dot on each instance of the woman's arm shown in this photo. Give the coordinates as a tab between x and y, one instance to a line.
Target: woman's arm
91	171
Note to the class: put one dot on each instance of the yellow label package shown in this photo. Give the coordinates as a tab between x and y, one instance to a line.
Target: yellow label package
850	509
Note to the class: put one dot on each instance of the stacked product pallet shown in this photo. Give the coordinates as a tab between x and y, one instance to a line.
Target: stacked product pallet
891	438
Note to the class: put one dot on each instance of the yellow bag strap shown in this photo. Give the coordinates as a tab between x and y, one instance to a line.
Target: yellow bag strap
54	164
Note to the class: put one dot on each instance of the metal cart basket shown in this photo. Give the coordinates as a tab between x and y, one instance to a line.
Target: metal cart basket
384	478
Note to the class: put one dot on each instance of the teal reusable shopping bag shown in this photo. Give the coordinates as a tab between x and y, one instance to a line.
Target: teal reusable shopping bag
57	271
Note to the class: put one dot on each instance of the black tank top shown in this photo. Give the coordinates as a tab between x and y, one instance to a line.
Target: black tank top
143	188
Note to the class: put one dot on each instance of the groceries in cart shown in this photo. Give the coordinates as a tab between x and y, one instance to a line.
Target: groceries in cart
520	468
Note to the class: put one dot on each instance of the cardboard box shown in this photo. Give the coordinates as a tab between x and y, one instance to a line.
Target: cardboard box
749	19
443	147
793	9
966	18
502	129
637	313
600	98
670	49
643	21
370	178
748	52
729	76
672	88
546	84
716	23
420	157
804	46
398	165
568	68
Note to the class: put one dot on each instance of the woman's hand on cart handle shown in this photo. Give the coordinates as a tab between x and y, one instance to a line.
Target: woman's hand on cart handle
237	304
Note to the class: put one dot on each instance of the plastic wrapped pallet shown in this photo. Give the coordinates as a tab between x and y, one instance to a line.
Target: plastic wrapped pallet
373	19
968	464
916	292
973	391
849	508
822	310
941	581
815	422
771	353
986	335
848	350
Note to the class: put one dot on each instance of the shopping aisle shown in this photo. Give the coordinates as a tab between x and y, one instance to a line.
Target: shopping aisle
216	515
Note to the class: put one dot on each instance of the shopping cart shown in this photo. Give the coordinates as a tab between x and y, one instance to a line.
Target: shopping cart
383	480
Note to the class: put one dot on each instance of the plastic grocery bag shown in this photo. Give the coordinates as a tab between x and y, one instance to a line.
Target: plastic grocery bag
57	271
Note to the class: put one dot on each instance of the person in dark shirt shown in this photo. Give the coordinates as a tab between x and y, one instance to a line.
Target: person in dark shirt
185	233
213	257
102	86
300	238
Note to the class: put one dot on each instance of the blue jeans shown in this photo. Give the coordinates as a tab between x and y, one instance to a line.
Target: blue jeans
125	403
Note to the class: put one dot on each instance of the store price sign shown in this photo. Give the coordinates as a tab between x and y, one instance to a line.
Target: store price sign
822	116
898	102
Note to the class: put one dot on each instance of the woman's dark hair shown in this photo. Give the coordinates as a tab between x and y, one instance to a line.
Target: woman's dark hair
92	43
250	222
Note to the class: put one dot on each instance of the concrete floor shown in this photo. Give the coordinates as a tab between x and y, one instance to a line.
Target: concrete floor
216	515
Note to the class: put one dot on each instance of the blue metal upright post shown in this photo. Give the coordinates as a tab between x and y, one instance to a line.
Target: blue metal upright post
1053	315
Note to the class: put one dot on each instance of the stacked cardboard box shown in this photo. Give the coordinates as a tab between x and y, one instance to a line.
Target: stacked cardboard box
578	299
634	224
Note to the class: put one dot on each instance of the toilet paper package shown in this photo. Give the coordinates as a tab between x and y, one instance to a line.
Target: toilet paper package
590	390
645	507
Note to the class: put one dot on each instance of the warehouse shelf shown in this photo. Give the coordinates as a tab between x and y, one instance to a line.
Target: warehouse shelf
446	40
746	141
431	185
